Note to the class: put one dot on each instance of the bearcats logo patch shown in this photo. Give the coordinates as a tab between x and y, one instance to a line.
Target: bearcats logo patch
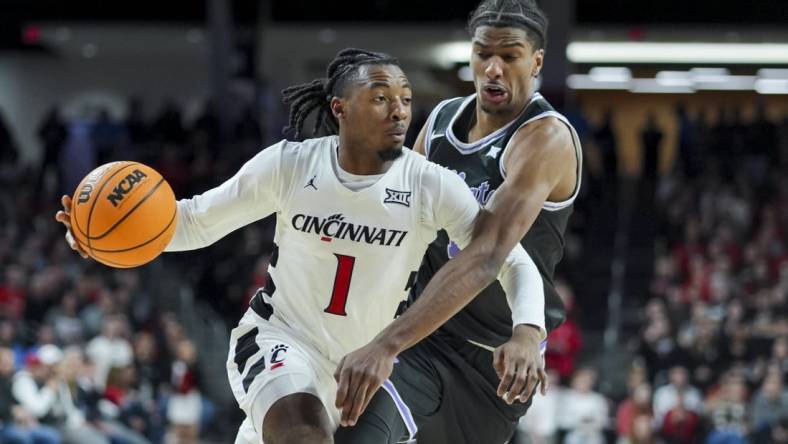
276	359
397	197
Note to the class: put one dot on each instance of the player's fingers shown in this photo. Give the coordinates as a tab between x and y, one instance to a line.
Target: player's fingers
544	381
519	383
508	377
64	218
498	358
342	387
370	393
350	398
66	201
531	380
75	245
359	402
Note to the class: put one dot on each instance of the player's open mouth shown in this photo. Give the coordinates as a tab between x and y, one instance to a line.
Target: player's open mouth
494	93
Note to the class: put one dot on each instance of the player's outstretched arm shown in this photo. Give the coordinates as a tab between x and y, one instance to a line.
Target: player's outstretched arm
251	194
533	174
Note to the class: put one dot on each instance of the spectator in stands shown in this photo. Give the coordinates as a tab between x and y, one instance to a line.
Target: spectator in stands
8	151
607	142
540	425
42	391
110	349
651	138
64	319
13	290
638	404
17	424
770	403
584	412
107	136
565	342
184	409
680	425
728	412
52	133
677	391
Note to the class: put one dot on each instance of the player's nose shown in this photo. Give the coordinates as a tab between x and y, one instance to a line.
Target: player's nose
494	69
399	110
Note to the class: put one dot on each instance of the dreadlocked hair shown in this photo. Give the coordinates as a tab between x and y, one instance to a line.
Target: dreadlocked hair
523	14
305	98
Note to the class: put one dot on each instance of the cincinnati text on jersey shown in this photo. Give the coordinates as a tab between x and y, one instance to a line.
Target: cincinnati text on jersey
335	227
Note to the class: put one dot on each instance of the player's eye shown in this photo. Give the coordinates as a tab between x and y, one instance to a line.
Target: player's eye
407	100
379	99
483	55
510	58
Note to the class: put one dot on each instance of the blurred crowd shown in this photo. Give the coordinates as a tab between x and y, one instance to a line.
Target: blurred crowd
711	354
90	354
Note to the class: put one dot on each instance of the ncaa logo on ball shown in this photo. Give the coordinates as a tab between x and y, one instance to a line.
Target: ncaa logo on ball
125	186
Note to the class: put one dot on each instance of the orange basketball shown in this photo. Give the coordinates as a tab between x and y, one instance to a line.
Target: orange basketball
123	214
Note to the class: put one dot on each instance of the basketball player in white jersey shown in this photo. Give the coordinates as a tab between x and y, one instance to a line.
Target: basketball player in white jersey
355	213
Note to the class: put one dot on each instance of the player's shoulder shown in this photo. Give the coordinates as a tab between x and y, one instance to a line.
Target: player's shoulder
430	172
290	154
552	131
418	161
306	148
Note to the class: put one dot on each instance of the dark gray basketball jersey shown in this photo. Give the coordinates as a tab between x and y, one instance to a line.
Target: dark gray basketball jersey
487	319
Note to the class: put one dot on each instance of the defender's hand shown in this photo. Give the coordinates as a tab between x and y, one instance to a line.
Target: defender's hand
64	217
520	365
359	375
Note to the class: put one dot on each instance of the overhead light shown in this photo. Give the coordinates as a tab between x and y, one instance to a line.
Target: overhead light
585	81
610	74
673	75
726	83
709	75
773	73
465	74
674	78
679	52
771	86
654	86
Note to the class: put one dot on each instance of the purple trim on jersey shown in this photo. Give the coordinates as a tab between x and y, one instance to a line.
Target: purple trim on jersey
403	409
543	346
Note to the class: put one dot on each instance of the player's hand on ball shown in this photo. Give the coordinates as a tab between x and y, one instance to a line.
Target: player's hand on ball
359	375
64	217
520	366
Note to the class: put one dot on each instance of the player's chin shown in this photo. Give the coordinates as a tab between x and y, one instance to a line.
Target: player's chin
495	108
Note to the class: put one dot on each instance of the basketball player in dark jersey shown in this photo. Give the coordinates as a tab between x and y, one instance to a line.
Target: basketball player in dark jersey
472	379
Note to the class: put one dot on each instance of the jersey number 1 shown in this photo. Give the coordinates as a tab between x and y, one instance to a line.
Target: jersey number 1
341	285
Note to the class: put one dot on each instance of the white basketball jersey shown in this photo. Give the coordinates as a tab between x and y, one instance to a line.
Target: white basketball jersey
345	258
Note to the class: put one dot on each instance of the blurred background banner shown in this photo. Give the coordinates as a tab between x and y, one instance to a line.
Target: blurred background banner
676	262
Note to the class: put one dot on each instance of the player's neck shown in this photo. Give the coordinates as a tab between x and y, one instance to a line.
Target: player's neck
360	161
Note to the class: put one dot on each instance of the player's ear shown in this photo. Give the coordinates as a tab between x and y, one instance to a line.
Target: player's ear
538	62
337	107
